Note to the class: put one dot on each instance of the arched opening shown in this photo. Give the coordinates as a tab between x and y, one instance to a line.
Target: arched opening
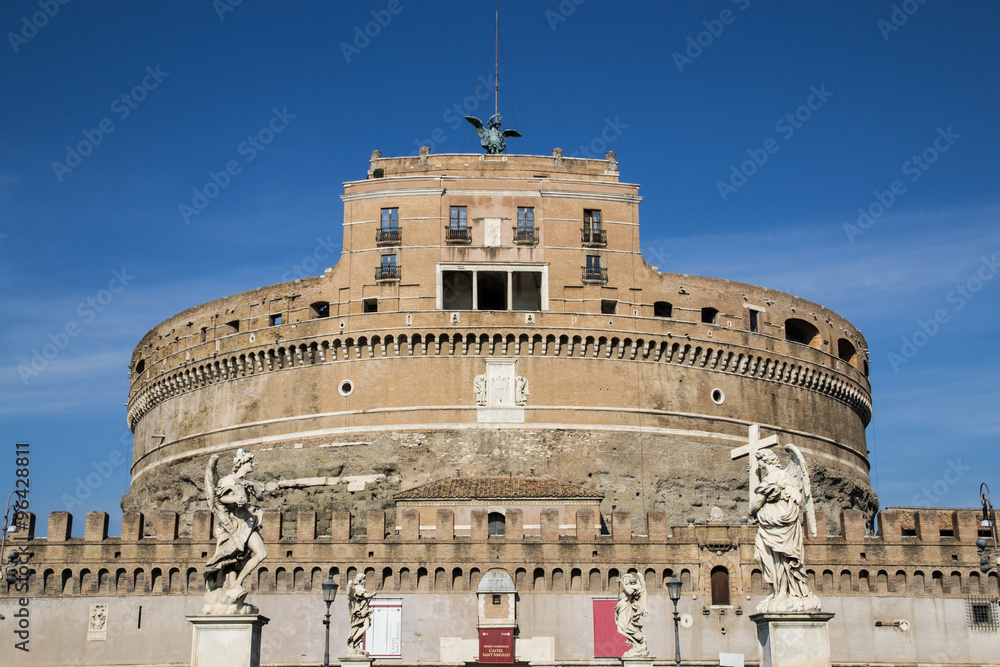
663	309
802	332
709	315
496	524
847	352
720	585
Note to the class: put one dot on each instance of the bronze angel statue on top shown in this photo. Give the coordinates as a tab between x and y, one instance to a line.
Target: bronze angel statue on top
239	546
778	504
491	137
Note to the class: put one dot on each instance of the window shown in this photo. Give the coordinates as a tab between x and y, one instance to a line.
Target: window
319	310
491	287
663	309
274	320
496	524
609	306
140	366
847	351
593	271
388	269
593	233
232	327
458	230
369	306
457	219
390	218
204	334
980	613
525	233
526	218
709	315
388	231
753	316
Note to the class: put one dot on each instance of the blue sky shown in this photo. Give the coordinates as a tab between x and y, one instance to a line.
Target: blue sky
890	107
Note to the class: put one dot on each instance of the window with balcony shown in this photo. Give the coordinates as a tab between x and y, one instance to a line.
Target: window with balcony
592	233
388	231
593	272
458	228
388	269
525	233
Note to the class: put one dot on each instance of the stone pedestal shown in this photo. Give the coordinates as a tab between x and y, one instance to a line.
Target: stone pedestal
636	662
226	641
793	640
356	661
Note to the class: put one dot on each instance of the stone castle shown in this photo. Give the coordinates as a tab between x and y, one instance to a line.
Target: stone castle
493	380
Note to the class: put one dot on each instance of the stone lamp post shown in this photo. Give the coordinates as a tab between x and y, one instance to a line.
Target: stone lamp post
674	591
329	595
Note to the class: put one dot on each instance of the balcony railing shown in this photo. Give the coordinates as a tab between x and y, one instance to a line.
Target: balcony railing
593	237
453	235
595	274
389	272
525	236
389	236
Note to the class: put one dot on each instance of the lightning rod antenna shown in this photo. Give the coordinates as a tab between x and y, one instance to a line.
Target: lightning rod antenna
496	62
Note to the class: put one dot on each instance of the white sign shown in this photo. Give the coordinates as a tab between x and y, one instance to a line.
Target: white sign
731	660
384	638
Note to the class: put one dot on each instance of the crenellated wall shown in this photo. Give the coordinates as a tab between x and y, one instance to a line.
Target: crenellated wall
916	553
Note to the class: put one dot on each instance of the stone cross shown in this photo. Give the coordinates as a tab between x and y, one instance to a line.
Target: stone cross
750	449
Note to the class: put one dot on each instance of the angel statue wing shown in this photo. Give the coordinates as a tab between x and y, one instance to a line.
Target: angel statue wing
511	133
476	123
797	466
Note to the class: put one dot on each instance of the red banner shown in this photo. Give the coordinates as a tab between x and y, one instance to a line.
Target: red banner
496	645
607	642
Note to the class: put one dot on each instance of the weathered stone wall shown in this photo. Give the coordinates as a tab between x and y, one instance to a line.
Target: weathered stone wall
921	579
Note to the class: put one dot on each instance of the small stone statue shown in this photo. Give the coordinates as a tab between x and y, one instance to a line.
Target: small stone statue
239	547
479	389
491	137
521	396
629	610
360	609
778	504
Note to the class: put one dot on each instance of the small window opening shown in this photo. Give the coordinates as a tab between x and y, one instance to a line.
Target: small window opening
140	366
370	305
204	334
754	321
233	327
609	307
319	310
496	524
663	309
709	315
275	319
496	598
909	532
